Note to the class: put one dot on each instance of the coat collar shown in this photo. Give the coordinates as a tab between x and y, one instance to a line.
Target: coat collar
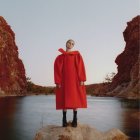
64	52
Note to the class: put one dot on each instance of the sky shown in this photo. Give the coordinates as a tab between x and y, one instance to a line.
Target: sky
43	26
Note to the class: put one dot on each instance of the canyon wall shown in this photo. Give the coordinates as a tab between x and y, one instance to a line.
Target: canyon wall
12	71
126	82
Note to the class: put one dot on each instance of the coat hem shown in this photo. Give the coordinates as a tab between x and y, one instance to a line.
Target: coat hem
70	108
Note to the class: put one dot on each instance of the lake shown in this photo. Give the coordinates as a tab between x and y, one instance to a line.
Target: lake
21	117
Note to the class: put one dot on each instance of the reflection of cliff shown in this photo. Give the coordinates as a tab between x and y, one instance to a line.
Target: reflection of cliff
7	112
12	72
126	81
131	117
9	104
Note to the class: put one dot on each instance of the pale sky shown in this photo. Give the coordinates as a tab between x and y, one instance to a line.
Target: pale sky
43	26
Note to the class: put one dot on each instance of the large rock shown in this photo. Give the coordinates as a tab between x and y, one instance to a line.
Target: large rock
81	132
12	72
126	81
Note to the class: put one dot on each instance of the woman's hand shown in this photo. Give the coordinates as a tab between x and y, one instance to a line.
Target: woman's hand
81	83
58	85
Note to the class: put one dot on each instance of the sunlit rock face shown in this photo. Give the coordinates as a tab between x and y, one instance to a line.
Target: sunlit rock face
127	81
12	72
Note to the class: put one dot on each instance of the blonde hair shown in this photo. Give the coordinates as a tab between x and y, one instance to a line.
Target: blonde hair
70	40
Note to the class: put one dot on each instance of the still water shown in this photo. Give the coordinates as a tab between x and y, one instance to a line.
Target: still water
21	117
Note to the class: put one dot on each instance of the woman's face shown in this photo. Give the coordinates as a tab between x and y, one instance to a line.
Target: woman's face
70	44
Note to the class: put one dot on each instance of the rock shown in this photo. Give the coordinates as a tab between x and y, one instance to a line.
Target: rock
128	63
12	72
98	89
81	132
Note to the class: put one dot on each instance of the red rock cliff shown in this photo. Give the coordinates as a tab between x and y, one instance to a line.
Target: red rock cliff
126	81
12	72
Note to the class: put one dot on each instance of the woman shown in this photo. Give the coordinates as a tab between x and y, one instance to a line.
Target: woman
69	77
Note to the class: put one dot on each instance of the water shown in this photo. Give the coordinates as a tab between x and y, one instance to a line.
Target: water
21	117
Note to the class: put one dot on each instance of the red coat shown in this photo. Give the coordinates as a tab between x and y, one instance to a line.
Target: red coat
69	70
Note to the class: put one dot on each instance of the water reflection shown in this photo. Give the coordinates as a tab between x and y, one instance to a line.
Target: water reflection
131	116
130	103
7	111
21	117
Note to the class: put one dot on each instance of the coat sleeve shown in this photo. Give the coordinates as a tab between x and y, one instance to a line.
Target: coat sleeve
58	65
80	68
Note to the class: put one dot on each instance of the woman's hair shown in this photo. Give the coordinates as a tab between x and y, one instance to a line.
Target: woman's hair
70	40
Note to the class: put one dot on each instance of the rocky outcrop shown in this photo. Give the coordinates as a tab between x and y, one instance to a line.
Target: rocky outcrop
12	72
99	89
81	132
126	82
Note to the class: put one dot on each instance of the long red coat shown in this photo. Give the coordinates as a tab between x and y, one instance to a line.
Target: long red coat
69	71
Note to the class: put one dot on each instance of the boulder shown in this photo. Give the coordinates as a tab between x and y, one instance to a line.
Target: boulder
81	132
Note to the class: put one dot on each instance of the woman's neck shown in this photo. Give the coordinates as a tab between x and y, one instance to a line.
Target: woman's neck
68	50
